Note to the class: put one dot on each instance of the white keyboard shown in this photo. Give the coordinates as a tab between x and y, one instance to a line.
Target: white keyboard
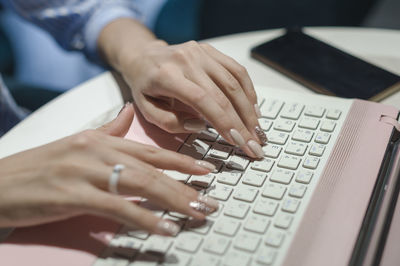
261	202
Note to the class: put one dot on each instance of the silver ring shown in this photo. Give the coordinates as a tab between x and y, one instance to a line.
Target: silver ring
114	177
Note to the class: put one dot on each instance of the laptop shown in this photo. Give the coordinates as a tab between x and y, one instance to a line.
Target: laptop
326	193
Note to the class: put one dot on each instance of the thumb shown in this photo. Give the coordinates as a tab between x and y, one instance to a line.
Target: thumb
120	125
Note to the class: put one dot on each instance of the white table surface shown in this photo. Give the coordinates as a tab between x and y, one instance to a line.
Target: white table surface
99	99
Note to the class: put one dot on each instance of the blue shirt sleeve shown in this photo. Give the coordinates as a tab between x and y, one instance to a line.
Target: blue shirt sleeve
76	24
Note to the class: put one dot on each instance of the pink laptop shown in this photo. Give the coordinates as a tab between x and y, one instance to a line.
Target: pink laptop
326	193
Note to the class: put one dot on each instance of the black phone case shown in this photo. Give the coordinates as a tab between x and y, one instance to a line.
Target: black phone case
324	68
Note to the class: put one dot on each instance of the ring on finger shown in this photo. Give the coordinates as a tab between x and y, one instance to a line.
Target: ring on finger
114	178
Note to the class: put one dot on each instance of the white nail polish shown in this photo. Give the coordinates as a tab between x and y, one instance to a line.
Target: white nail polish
257	109
209	201
168	227
256	148
205	164
194	125
237	138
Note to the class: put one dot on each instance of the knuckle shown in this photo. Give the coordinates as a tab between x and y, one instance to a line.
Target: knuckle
169	122
83	140
197	96
206	46
232	84
240	70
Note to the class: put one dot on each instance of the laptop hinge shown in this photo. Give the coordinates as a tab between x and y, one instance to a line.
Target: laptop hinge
395	123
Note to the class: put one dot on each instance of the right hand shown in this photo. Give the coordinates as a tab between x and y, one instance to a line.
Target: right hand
70	177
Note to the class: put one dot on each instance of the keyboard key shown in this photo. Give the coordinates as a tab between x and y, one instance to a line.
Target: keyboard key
227	226
289	162
216	162
274	191
264	165
236	209
111	261
216	244
265	124
323	138
139	234
296	148
282	176
277	137
317	149
237	162
309	123
315	111
195	148
205	259
178	215
229	178
297	190
292	110
220	151
333	114
284	125
178	176
272	151
188	241
174	258
274	237
283	220
221	192
271	108
247	194
223	141
217	212
158	244
202	180
328	126
266	256
235	258
266	207
303	135
311	162
256	223
147	259
123	246
290	205
199	226
210	134
247	242
304	176
254	178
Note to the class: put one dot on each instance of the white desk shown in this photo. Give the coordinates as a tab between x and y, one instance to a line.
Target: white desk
99	99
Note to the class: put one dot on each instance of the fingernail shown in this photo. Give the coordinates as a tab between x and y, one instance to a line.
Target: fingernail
194	125
261	135
201	207
237	138
123	107
207	165
256	148
209	201
168	227
257	109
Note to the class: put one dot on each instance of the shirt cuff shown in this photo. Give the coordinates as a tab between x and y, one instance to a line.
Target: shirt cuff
97	22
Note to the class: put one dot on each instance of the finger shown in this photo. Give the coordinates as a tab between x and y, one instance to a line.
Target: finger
120	125
168	118
160	158
237	70
140	179
211	102
235	93
125	212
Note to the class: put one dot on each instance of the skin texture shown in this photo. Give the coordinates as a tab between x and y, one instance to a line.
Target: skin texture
70	176
172	84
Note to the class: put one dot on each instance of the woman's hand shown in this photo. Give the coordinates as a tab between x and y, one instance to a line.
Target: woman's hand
70	177
180	87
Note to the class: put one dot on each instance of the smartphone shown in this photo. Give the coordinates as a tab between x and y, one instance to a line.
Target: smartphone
324	68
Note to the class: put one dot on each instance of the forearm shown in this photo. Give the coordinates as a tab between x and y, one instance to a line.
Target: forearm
122	40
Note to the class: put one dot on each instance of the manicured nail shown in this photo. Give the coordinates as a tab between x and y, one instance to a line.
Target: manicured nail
205	164
194	125
168	227
261	135
257	109
123	107
209	201
237	138
256	148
